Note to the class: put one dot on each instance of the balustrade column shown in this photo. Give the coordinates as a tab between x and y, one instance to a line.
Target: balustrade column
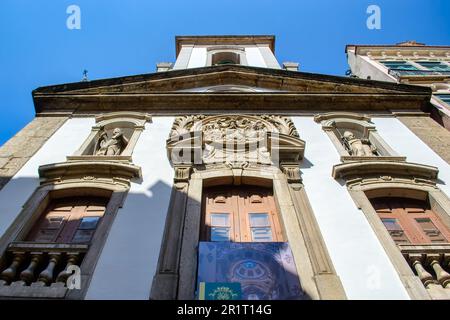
28	275
46	276
441	275
424	275
72	260
9	274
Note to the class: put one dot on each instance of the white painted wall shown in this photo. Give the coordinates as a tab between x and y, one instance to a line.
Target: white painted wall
198	58
406	143
360	260
254	57
363	67
62	143
128	261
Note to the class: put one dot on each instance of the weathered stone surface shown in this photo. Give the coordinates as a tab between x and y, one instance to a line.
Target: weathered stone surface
20	148
430	132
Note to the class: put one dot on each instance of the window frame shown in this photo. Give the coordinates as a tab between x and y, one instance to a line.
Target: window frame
442	63
36	206
361	192
212	50
239	212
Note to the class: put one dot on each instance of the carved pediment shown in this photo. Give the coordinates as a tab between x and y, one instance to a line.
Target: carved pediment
234	138
245	87
384	170
92	171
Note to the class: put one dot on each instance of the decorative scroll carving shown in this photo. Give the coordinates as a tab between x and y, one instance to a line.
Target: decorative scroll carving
234	138
243	124
182	173
292	172
386	171
283	124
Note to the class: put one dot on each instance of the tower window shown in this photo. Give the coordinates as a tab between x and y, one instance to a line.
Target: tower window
222	58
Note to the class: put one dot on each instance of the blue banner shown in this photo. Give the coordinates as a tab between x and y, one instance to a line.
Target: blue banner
265	271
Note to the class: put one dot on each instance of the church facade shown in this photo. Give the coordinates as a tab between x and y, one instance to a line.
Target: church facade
227	176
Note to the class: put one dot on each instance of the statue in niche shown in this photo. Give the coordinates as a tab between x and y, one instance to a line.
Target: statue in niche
358	147
113	146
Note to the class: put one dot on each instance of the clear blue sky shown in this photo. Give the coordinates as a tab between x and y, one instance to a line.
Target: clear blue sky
119	37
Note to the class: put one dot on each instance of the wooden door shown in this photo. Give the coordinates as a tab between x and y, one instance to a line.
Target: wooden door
240	214
411	221
69	220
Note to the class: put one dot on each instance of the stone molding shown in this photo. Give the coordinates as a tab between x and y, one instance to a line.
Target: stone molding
216	139
132	121
363	128
384	170
319	118
89	171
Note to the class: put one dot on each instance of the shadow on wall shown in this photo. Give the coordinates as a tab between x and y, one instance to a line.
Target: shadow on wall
13	197
129	259
132	246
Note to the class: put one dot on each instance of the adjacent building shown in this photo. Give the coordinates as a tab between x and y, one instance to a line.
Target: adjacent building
410	63
226	175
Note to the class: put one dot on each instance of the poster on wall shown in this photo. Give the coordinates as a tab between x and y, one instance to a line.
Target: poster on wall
263	271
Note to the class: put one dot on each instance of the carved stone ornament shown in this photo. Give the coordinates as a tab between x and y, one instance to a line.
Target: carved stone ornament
113	146
233	138
358	147
292	172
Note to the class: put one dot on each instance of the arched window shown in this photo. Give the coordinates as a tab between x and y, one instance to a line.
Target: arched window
227	54
410	221
69	220
221	58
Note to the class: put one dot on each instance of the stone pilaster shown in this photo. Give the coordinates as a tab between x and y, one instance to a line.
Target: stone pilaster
20	148
430	132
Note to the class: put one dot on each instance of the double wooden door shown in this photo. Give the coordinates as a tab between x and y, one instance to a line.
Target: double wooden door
411	221
69	220
240	214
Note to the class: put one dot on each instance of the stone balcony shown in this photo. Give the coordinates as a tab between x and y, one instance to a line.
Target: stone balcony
38	270
431	263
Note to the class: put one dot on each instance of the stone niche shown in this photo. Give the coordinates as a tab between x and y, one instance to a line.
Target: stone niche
356	138
113	137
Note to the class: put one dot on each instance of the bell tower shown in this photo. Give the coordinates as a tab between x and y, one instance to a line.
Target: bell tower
205	51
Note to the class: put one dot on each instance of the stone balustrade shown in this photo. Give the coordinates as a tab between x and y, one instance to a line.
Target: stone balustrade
31	264
431	263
